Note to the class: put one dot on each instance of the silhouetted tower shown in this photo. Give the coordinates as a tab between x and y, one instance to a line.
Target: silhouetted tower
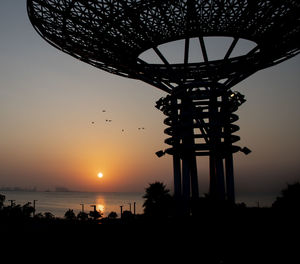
123	37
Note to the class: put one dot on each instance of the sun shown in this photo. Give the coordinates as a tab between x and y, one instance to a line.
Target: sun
100	175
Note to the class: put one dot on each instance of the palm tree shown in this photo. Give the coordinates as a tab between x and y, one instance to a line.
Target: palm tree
70	215
82	216
95	214
158	200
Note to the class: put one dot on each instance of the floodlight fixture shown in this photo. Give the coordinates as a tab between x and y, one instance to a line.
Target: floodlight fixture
160	153
245	150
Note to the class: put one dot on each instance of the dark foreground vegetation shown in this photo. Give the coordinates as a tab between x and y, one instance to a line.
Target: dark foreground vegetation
213	232
159	208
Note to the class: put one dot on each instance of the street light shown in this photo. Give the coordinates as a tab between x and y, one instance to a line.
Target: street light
82	208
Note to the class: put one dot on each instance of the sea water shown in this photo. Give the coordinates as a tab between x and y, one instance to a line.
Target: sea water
58	203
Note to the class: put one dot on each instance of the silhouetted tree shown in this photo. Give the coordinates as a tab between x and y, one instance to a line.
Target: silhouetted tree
2	199
82	216
70	215
15	211
127	215
158	200
290	197
39	216
27	210
95	214
112	215
48	215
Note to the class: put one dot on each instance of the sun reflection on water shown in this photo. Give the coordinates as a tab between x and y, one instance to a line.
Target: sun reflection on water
101	208
101	205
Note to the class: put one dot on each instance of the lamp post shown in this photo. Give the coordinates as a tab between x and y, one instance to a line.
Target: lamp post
82	208
121	207
34	207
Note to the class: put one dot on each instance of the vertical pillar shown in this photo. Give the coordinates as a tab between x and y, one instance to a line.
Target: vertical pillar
177	176
186	180
212	173
176	157
228	156
189	165
230	178
217	183
194	178
220	178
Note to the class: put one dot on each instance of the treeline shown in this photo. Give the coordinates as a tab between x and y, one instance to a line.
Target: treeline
158	204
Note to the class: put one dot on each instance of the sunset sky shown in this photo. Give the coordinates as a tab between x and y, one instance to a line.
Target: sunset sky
48	101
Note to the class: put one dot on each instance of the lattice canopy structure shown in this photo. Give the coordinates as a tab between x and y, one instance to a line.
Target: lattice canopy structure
116	36
95	32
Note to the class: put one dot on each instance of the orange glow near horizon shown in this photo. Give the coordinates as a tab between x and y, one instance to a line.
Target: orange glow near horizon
117	164
74	161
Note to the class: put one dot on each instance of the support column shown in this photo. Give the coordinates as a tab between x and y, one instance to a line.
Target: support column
228	156
230	178
177	176
217	184
194	178
186	180
176	155
189	165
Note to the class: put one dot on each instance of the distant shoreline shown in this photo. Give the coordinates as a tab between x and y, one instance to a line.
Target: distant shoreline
66	191
34	189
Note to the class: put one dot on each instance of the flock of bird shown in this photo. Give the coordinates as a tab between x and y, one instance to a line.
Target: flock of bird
109	121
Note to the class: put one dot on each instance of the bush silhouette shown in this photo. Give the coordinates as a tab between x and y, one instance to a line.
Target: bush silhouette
127	216
48	216
112	215
290	197
27	210
82	216
2	199
70	215
95	214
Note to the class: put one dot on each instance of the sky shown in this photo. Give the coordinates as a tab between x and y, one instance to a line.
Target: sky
48	101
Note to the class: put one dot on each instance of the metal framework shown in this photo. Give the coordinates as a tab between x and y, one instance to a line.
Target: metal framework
112	35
